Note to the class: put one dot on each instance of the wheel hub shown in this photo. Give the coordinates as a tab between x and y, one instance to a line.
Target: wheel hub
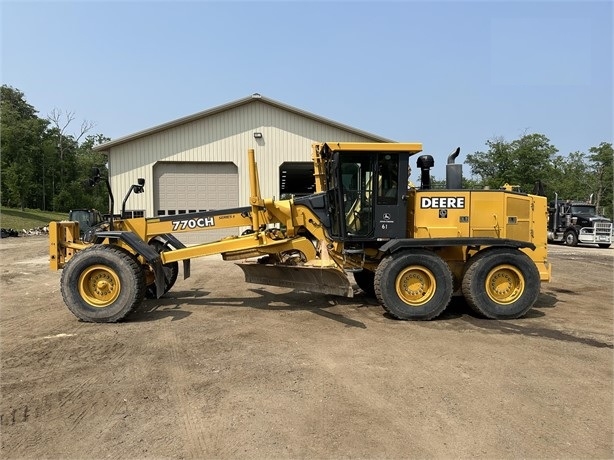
501	283
103	285
99	286
416	285
413	284
504	284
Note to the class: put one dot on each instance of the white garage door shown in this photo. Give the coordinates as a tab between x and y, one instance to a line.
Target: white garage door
191	187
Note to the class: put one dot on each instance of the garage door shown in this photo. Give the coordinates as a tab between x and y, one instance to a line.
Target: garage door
191	187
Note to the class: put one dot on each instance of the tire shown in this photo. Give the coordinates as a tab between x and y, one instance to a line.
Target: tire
414	285
102	284
604	245
570	238
365	280
171	272
501	283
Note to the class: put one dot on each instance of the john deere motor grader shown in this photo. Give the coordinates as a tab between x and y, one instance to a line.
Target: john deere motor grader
410	247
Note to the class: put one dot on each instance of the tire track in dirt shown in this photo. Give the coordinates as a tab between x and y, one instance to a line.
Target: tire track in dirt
52	354
33	426
43	299
195	444
57	330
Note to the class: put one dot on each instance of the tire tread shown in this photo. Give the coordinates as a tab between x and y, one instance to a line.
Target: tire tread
70	291
473	281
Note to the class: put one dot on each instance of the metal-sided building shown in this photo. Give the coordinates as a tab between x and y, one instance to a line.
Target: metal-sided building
199	162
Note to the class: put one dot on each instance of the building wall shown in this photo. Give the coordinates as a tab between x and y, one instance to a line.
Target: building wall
221	137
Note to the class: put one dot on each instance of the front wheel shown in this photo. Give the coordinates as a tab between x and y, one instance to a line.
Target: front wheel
501	283
414	285
102	284
604	245
570	238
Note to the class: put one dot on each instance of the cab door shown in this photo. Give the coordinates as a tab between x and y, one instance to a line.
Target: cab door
390	208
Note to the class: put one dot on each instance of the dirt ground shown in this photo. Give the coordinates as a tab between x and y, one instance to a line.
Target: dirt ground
224	369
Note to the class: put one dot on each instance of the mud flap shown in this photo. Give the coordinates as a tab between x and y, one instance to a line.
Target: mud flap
326	280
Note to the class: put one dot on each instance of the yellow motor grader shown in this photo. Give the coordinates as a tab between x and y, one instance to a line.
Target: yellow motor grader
410	247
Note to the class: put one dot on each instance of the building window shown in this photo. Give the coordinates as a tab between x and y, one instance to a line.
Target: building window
133	214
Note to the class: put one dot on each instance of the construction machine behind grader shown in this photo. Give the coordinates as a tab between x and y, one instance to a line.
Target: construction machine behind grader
410	247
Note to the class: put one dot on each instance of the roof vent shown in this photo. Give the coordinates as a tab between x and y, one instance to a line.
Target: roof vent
256	96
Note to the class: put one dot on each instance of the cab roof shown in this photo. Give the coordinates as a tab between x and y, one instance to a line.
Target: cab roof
411	147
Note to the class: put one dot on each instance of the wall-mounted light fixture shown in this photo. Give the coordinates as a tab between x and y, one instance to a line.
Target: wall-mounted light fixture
257	135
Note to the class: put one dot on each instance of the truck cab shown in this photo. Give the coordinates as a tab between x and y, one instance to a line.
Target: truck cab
573	222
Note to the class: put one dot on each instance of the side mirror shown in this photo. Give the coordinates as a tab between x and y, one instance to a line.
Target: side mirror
139	188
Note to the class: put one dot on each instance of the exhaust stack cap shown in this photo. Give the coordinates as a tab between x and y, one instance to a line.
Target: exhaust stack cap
454	172
453	156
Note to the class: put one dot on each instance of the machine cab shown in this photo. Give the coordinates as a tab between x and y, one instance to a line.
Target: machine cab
367	190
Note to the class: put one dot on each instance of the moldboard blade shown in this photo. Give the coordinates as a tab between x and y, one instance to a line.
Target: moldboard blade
326	280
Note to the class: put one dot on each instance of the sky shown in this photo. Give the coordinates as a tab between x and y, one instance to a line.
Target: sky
445	73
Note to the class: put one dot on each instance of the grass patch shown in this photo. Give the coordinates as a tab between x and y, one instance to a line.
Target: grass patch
28	218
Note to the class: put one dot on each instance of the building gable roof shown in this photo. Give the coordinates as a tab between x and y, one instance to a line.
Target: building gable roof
231	105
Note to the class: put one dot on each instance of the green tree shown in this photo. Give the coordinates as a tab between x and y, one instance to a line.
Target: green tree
21	136
491	166
75	192
570	177
601	164
93	197
521	162
42	164
65	168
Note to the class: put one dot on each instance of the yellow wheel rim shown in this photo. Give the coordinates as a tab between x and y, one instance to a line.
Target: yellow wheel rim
99	286
504	284
416	285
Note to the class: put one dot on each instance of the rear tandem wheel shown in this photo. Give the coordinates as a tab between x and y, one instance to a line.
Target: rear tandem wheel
414	285
102	284
501	283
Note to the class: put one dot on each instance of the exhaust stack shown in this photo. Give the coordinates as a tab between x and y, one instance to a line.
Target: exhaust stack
454	172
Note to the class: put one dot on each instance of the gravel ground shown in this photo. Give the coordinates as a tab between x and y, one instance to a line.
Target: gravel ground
220	368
